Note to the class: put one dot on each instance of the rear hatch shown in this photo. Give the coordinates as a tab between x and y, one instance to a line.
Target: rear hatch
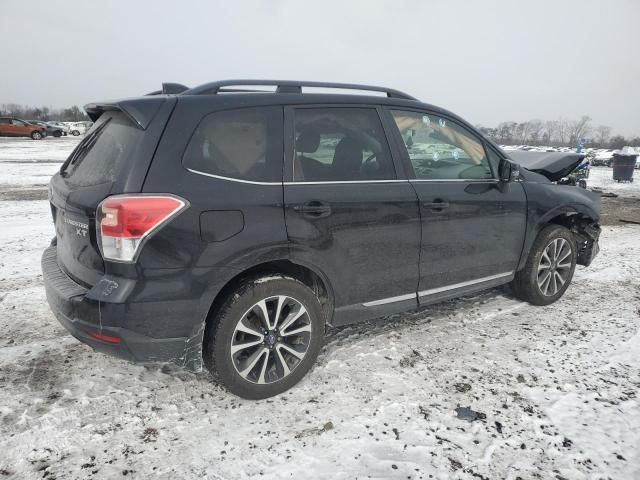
113	158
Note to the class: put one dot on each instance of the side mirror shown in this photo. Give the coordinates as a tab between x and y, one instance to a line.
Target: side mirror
508	171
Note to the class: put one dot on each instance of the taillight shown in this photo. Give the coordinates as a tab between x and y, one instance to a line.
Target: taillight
125	222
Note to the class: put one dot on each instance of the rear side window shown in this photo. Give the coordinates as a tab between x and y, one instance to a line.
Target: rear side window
340	144
243	144
98	158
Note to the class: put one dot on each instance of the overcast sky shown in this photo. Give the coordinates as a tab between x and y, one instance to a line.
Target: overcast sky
488	61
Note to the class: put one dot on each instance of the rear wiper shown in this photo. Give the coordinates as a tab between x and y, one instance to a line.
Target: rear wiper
80	152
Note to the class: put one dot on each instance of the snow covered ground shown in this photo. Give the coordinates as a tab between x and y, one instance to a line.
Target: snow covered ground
482	387
602	177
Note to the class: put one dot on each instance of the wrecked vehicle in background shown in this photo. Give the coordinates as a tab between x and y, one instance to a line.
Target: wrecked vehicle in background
226	227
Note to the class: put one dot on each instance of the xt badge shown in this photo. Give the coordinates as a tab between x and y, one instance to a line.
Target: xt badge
81	228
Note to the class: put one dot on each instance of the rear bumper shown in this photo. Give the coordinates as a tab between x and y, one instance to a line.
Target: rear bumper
86	318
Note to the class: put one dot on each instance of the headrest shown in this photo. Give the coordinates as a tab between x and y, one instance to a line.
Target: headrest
308	141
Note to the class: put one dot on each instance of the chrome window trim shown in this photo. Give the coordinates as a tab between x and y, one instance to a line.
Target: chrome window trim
454	286
230	179
332	182
255	182
472	180
432	291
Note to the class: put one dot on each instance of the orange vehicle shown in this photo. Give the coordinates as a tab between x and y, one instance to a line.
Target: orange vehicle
14	127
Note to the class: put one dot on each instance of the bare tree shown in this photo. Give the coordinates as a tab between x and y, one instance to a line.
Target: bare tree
562	131
617	141
536	128
551	131
602	134
579	129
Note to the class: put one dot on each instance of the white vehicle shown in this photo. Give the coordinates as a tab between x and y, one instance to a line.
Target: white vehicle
80	128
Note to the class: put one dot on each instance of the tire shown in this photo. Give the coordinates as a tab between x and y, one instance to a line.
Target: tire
36	136
529	283
57	134
245	372
75	133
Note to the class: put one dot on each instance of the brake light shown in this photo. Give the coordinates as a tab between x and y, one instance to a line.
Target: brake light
125	222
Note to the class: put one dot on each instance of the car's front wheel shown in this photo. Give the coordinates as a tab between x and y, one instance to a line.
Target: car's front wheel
36	135
75	133
549	268
265	336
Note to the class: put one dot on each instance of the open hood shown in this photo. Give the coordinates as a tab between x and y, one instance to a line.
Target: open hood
553	165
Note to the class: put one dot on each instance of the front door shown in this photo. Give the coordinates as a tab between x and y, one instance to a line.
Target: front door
473	225
5	126
347	212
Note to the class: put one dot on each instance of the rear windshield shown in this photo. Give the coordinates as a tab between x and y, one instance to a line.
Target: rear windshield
99	156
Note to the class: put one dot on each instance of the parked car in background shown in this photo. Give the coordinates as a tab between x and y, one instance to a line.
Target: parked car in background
80	128
602	158
50	130
63	126
14	127
230	229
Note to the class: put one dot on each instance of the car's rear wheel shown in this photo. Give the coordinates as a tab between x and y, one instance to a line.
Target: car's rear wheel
57	134
265	337
549	268
36	135
75	133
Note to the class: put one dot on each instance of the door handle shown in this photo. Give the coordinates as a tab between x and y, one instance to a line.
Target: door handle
437	205
314	209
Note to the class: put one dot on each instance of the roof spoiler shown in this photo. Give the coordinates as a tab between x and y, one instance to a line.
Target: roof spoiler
139	110
169	88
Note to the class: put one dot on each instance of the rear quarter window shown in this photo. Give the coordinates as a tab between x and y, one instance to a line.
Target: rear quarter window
99	157
242	144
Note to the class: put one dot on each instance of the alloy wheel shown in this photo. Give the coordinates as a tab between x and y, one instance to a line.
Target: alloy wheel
554	267
271	339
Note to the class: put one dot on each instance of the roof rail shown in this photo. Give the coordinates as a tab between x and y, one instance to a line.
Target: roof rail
170	88
289	86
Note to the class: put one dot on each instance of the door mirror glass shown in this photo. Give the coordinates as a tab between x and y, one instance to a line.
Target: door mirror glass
509	172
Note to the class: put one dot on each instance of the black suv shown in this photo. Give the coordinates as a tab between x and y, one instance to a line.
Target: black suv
227	226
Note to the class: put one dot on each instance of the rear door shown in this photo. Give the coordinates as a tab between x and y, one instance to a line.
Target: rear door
473	226
349	212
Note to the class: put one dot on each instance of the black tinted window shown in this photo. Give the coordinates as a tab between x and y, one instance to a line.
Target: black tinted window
340	144
99	156
245	144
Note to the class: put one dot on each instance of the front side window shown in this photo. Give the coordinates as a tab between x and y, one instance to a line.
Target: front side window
340	144
241	144
440	149
17	123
